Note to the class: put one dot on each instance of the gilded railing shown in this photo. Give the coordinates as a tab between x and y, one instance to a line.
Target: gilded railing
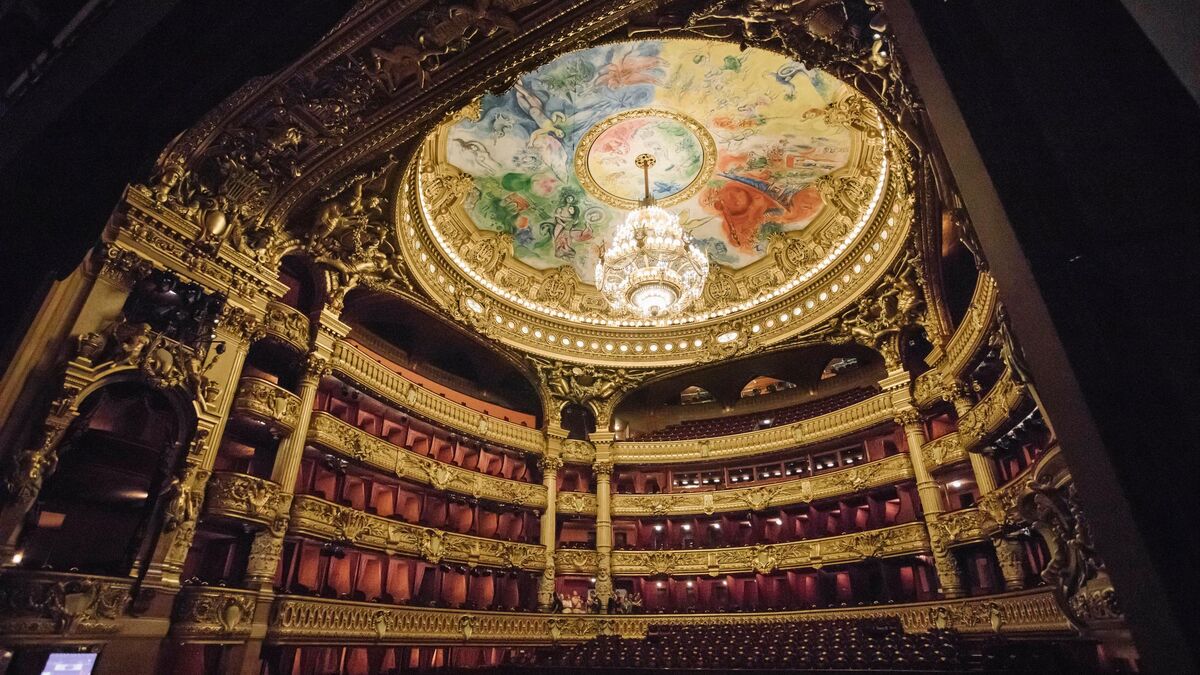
325	520
245	497
345	439
319	621
34	603
942	451
885	471
857	417
576	503
763	559
287	324
991	412
368	373
267	402
208	612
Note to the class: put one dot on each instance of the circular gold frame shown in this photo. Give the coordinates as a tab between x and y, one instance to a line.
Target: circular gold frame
708	148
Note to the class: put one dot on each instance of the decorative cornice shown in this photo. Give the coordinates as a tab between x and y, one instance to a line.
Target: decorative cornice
318	518
369	374
317	621
861	416
886	471
354	443
267	402
906	539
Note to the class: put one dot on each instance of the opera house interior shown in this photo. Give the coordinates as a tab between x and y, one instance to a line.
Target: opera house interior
577	336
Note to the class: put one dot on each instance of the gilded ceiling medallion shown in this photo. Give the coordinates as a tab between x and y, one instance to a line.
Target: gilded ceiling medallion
685	153
780	174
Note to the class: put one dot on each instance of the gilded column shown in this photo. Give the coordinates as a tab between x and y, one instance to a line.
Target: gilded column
949	575
602	470
550	466
268	544
1009	554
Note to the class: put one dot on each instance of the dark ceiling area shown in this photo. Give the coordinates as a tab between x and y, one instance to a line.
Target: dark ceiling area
134	75
801	366
436	348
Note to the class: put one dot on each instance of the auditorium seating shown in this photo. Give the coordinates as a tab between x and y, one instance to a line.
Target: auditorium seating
740	424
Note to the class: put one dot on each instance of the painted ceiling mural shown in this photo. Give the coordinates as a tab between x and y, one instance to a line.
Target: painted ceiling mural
736	157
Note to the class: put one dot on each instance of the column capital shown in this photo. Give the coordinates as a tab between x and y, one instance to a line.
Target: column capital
550	463
316	366
906	417
602	467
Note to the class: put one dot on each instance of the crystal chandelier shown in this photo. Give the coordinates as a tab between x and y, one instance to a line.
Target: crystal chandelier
652	268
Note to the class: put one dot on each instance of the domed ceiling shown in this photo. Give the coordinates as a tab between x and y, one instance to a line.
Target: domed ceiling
779	172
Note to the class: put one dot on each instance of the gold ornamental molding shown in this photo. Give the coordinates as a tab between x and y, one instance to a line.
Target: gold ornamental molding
1006	399
943	451
267	402
212	613
964	526
349	441
287	324
244	497
576	561
318	621
963	345
576	503
886	471
861	416
35	604
369	374
320	519
906	539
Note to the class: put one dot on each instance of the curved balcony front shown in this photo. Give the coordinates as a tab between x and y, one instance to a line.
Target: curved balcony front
907	539
325	520
267	402
244	497
354	443
287	324
213	613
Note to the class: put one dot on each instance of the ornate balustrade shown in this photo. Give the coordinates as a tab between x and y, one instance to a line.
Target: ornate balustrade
851	419
244	497
885	471
317	621
988	416
267	402
210	612
893	541
366	372
287	324
320	519
943	451
35	603
344	439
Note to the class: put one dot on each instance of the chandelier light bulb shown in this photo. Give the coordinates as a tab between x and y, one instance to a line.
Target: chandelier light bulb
652	268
